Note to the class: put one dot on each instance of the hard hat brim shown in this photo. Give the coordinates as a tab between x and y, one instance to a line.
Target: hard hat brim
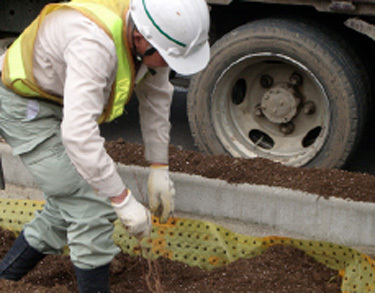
190	64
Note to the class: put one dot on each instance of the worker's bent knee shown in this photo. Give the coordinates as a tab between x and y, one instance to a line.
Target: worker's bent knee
91	244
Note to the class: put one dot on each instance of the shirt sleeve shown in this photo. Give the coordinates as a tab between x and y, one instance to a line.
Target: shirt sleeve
91	65
154	93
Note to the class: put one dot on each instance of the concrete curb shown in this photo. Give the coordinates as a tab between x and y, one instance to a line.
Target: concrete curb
334	220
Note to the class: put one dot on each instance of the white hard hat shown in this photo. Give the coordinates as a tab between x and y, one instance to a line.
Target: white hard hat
178	29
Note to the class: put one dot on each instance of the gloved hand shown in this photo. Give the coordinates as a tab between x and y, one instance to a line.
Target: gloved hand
134	216
161	192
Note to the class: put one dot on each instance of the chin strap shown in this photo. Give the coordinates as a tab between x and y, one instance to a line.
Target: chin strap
148	52
138	56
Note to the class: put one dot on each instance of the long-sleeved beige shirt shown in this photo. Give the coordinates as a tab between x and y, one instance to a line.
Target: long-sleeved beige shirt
75	59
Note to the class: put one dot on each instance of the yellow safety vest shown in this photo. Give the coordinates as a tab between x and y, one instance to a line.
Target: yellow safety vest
109	15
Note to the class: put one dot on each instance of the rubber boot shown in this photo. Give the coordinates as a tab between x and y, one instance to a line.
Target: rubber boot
19	260
93	281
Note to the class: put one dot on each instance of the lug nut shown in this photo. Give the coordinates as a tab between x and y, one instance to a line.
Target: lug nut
258	111
296	79
266	81
309	108
287	128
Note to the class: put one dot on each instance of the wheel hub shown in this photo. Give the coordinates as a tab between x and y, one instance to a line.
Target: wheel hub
279	105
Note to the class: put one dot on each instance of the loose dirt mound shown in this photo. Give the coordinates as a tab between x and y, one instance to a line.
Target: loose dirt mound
324	182
279	269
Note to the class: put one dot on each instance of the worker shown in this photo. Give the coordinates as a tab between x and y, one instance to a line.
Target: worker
73	68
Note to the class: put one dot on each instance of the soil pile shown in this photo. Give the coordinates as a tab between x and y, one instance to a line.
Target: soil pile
279	269
324	182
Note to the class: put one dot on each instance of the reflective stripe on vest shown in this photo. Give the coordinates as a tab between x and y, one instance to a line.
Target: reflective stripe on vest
17	70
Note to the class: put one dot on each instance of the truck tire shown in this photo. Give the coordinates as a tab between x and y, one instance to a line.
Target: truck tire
280	89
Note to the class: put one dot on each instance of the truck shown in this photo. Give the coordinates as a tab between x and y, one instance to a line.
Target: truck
288	80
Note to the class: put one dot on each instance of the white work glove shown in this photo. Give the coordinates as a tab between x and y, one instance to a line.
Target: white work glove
160	192
134	216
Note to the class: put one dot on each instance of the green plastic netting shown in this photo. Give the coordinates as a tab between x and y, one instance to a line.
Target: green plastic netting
207	245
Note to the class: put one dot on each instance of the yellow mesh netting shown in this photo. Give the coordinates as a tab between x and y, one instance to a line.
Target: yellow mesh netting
207	245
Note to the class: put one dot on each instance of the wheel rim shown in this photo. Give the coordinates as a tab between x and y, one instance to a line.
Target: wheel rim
269	105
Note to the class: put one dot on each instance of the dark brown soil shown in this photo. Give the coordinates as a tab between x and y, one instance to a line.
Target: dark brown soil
279	269
324	182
